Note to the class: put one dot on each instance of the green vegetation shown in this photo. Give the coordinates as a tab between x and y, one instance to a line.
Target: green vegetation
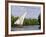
31	22
13	19
26	21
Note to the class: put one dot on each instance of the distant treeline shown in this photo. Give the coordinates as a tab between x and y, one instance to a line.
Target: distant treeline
26	21
31	22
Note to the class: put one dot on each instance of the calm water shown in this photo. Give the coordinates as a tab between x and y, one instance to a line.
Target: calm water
24	28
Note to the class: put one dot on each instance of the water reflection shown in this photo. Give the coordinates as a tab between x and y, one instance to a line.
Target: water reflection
25	28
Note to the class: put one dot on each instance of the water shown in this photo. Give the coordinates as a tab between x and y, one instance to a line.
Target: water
25	28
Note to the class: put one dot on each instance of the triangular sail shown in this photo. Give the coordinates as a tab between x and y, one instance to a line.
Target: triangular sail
21	19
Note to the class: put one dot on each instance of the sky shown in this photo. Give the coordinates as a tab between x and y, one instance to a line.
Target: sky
32	11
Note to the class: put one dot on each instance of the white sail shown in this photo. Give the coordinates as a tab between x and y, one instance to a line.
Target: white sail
21	19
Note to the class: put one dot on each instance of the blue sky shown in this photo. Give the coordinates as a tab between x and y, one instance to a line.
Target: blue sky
32	11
